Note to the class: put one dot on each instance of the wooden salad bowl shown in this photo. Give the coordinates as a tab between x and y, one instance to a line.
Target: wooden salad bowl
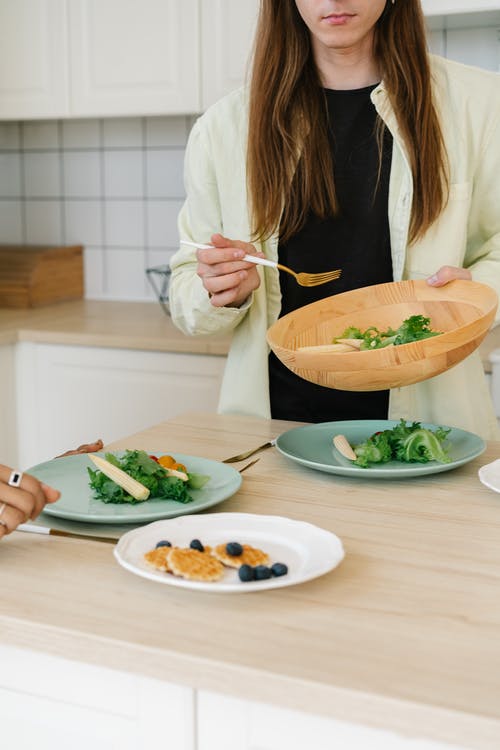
462	310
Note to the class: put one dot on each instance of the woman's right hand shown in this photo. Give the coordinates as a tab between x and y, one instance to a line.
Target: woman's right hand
22	503
228	279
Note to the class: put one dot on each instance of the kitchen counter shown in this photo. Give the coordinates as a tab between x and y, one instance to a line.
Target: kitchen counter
126	325
404	635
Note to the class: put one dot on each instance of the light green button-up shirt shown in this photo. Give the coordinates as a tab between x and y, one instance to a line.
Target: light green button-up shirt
467	234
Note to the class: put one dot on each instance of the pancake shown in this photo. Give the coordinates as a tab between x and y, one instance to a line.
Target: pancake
194	565
158	558
250	556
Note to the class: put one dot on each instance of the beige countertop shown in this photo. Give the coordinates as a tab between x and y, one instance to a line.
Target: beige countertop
404	634
127	325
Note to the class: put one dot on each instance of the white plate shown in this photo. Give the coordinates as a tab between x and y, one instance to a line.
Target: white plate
489	474
307	550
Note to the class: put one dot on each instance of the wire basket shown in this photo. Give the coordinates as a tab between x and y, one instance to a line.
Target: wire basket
159	278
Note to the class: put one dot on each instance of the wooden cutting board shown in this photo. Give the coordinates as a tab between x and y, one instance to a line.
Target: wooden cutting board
35	275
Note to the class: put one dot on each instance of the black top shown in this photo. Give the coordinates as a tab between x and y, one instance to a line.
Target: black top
357	241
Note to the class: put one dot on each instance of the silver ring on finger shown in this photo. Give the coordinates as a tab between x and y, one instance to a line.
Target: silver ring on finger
15	478
2	508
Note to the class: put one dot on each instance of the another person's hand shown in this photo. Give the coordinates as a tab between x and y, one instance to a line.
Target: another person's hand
447	274
98	445
228	279
22	497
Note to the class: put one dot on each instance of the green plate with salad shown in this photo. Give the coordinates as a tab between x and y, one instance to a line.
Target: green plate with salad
80	502
312	446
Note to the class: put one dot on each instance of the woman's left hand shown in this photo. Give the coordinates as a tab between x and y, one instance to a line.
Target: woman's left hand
447	274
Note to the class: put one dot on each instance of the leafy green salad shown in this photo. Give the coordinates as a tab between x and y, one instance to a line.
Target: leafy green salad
405	442
146	470
414	328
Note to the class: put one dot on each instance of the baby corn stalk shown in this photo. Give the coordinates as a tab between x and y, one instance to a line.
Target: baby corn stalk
344	448
175	473
134	488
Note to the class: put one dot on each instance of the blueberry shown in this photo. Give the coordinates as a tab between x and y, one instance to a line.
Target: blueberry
262	572
234	549
246	573
279	569
196	544
163	543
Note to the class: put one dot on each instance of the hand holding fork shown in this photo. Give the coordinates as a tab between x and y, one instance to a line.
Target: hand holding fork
224	272
302	278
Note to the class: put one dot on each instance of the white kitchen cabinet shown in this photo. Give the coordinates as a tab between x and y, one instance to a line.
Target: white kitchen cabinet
50	703
133	57
8	437
68	395
225	722
227	33
33	54
98	58
445	7
462	14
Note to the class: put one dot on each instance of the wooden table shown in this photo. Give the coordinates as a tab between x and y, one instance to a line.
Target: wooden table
404	635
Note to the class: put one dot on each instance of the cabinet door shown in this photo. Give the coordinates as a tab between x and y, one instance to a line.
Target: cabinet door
227	35
444	7
68	395
134	58
50	703
33	71
225	722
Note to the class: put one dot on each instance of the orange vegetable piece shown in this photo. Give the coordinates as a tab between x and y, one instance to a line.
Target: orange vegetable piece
168	462
180	467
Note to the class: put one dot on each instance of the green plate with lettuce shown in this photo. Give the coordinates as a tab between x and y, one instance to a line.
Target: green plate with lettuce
212	482
386	449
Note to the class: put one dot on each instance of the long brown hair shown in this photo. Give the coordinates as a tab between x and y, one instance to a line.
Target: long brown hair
288	118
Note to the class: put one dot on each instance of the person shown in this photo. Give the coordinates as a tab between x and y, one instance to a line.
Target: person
23	497
351	147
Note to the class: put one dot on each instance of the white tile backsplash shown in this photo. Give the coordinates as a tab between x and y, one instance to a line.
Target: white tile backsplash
82	174
11	222
480	47
124	174
42	174
125	273
114	186
39	134
166	131
10	136
94	273
124	223
123	132
164	173
81	134
10	175
83	223
43	222
162	223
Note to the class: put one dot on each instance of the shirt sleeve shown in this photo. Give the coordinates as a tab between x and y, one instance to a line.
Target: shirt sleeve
483	252
199	218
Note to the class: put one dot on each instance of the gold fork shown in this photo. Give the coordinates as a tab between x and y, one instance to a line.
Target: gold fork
302	278
247	454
